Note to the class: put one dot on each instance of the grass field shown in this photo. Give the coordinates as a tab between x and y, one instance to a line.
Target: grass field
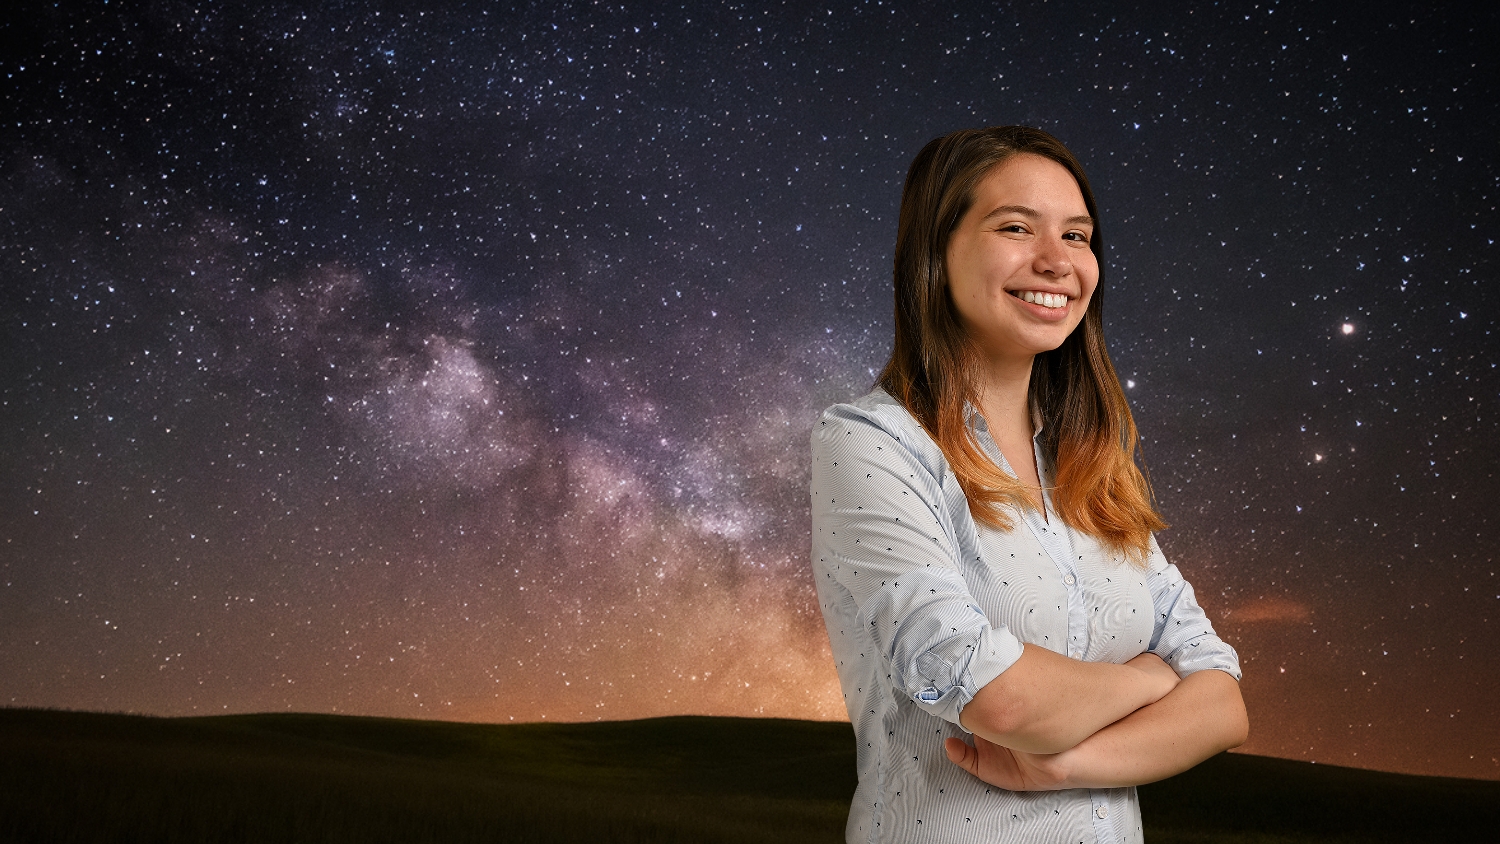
87	777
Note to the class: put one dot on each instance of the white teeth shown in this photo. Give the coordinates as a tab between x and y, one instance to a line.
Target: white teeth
1046	300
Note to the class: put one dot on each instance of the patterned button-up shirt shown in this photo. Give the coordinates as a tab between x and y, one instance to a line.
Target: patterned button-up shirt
924	606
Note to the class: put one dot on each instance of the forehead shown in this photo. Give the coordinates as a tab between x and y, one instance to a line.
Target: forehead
1030	180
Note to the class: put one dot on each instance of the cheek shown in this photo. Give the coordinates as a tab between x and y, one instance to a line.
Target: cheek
1088	275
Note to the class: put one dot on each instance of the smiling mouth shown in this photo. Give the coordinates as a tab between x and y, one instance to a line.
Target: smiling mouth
1046	300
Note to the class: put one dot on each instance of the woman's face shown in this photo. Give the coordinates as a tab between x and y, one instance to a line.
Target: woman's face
1019	266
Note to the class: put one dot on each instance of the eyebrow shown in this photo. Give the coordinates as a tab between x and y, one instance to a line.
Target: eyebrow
1081	220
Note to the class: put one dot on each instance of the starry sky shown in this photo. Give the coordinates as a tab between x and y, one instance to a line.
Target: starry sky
460	364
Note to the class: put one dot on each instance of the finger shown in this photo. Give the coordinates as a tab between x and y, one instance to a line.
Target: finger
962	755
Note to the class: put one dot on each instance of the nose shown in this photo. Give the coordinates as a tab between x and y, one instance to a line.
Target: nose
1052	258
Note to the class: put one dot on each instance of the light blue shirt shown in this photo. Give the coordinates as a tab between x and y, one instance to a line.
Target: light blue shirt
924	607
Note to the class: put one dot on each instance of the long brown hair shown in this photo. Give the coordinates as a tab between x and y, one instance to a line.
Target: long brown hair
1088	433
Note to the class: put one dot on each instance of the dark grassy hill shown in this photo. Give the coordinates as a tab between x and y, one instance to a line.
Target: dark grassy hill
86	777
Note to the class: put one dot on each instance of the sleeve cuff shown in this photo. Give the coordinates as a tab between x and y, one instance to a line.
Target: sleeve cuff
1202	653
996	650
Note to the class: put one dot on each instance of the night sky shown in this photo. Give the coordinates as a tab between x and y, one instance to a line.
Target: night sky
461	365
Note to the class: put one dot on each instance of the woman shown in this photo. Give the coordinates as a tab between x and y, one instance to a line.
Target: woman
1015	653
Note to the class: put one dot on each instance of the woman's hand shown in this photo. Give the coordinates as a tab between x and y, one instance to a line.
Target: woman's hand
1163	678
1012	770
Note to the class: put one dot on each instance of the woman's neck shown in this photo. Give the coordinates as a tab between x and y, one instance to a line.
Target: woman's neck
1004	400
1005	403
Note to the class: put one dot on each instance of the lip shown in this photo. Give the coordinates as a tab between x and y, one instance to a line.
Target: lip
1046	314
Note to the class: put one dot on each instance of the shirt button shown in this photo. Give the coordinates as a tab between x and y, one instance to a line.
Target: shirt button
1068	580
1101	812
1074	653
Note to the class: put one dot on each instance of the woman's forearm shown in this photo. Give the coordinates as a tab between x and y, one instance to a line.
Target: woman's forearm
1203	716
1047	703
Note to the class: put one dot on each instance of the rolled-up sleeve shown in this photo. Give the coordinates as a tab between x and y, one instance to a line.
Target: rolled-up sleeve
1183	636
887	559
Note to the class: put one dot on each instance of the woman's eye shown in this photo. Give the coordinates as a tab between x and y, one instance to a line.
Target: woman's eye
1078	236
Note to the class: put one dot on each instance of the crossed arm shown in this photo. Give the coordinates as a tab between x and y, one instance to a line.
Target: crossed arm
888	553
1059	723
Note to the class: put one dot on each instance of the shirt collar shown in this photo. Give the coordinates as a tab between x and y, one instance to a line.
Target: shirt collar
975	420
